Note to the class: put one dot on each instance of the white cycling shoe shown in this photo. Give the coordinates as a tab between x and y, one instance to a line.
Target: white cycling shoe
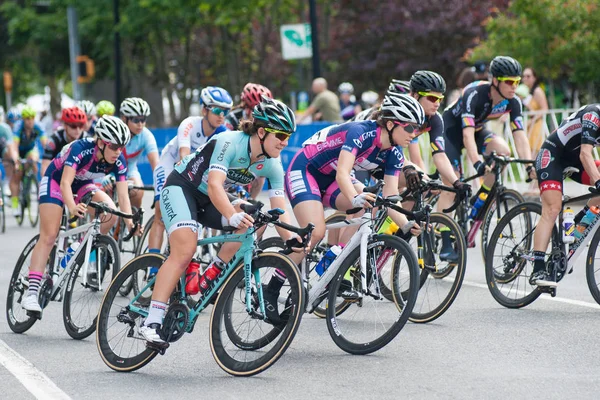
151	333
31	303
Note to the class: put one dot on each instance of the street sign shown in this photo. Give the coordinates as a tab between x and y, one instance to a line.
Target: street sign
296	41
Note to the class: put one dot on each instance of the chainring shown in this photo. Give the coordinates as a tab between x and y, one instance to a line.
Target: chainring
175	322
45	292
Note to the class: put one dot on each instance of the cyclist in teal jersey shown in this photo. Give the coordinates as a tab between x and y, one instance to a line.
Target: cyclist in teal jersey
196	193
26	135
7	150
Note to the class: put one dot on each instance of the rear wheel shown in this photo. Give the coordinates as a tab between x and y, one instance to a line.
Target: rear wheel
31	191
506	201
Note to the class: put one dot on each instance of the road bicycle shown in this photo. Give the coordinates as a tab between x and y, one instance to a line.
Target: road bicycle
509	260
239	309
79	284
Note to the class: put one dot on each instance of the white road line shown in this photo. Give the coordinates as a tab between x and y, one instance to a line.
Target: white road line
544	297
34	380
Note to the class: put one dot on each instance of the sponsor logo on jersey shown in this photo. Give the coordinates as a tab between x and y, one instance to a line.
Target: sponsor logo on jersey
545	159
242	160
591	120
187	129
570	128
171	214
221	155
242	176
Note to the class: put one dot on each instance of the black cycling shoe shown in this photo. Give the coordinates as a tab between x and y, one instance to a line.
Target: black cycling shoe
346	292
542	279
448	252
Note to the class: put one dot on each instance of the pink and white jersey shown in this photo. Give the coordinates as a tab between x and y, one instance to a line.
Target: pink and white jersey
362	139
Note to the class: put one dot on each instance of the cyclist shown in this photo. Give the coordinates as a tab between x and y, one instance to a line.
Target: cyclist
90	112
26	133
192	133
349	107
200	180
73	172
105	107
74	121
250	97
7	150
428	88
464	122
396	86
571	145
12	117
320	173
134	112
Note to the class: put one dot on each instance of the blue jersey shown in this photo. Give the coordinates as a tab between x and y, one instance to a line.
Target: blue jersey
27	143
142	144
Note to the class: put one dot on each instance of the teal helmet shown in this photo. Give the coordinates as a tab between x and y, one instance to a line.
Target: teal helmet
274	114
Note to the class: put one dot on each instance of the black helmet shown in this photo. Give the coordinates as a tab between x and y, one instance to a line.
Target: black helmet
502	66
427	81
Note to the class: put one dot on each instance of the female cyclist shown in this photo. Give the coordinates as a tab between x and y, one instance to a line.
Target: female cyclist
200	181
74	120
73	172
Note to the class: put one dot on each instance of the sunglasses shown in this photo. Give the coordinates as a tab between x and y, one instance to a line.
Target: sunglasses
434	98
75	126
511	81
219	111
137	120
281	135
113	146
408	127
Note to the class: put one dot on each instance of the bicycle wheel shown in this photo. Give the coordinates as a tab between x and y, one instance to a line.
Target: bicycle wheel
82	300
438	290
245	344
17	317
509	199
21	207
507	261
2	210
371	321
591	268
31	193
119	342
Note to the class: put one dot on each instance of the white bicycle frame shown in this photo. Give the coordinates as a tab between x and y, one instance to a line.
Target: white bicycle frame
58	274
361	238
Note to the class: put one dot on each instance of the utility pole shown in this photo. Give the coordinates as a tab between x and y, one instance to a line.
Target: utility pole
316	60
117	47
73	50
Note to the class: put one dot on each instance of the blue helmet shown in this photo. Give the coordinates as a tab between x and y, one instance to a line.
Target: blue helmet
215	96
13	115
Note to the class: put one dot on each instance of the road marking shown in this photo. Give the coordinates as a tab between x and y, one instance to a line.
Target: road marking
34	380
549	298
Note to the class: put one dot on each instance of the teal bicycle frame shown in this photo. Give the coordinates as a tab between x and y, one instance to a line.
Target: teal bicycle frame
245	253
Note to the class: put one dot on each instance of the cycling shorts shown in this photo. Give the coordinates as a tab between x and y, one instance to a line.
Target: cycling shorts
49	190
549	166
303	182
184	206
455	144
31	154
161	173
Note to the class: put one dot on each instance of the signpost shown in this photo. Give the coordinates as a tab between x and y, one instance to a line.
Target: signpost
296	41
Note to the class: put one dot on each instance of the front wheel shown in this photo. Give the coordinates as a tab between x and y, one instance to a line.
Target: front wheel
371	321
88	281
502	205
31	193
243	343
592	267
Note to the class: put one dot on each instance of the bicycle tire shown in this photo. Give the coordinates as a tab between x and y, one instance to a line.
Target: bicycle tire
512	265
223	311
140	248
108	258
509	195
404	306
34	216
590	273
425	298
18	320
21	201
106	321
2	208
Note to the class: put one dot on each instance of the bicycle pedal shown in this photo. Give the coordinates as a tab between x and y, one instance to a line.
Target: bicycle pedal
161	348
34	314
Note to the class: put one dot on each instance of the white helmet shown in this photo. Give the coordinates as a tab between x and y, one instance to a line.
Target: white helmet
216	96
134	107
369	97
113	130
402	108
346	87
88	107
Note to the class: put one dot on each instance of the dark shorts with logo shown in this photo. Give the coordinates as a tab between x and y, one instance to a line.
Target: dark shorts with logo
454	142
184	206
551	162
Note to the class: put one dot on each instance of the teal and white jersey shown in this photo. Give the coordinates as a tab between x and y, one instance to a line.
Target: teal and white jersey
229	153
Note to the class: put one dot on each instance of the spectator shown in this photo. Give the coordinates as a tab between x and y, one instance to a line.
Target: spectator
480	71
348	105
536	101
47	122
466	76
325	106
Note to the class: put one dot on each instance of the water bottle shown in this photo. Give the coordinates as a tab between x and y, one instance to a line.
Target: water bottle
568	225
478	204
588	219
209	275
70	251
327	259
388	227
192	278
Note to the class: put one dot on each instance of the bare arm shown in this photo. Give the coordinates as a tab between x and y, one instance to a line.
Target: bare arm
414	152
470	144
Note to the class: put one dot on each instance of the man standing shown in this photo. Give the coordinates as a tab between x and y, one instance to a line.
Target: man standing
325	106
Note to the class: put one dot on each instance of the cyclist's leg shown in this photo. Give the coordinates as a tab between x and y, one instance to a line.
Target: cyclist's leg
334	198
182	229
109	220
155	237
51	209
487	142
136	196
33	157
549	172
15	182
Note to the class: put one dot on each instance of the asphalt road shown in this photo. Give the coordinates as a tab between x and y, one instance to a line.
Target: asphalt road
478	349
